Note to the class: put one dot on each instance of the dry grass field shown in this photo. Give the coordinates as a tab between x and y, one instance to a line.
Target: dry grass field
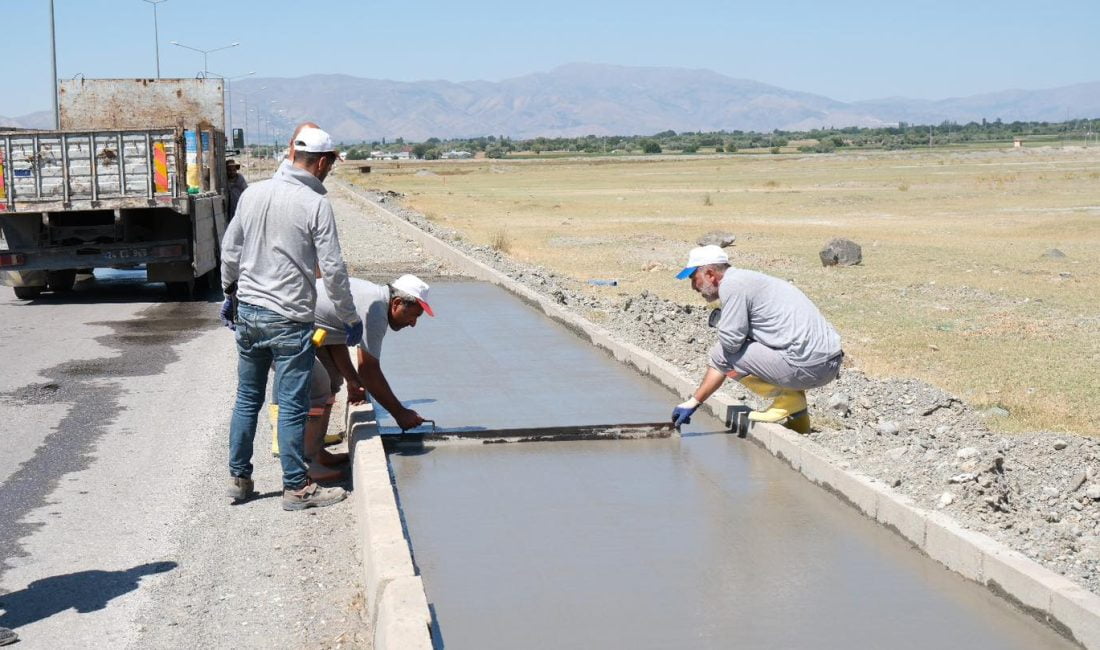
955	288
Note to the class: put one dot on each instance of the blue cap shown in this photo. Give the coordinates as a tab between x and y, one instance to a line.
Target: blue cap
687	272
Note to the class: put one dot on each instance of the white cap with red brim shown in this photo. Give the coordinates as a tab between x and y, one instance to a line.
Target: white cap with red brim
416	288
701	256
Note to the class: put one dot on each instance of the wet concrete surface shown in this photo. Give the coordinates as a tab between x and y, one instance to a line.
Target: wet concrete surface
488	361
704	541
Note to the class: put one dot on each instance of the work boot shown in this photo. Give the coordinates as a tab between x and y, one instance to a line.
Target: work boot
240	488
7	637
789	406
312	496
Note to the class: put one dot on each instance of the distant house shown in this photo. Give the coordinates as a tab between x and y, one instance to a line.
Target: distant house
457	155
390	155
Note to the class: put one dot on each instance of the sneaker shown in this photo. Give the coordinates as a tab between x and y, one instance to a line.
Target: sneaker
240	488
7	637
312	496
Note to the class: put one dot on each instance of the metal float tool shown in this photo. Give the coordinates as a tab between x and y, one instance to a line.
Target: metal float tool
437	436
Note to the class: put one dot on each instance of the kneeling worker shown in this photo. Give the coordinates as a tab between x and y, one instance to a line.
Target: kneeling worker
771	338
381	308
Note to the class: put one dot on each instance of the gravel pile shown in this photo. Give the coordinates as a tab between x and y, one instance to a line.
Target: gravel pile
1036	492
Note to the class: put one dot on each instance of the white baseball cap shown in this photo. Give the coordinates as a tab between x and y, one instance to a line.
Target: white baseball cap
311	140
416	288
701	256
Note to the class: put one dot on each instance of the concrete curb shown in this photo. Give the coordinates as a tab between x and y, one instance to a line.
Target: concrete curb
1051	598
397	606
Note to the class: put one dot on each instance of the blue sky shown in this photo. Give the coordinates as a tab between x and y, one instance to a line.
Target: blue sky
846	50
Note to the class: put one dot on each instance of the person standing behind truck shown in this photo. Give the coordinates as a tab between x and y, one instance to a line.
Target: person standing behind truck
284	229
237	184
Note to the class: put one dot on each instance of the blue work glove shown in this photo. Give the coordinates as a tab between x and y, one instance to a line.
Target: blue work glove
354	332
228	312
682	413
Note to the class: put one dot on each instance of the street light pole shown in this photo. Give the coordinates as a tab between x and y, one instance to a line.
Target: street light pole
204	53
53	79
156	31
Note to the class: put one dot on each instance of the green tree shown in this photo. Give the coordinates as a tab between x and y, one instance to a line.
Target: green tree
650	146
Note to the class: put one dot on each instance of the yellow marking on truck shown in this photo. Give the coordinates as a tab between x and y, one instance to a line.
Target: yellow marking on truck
160	167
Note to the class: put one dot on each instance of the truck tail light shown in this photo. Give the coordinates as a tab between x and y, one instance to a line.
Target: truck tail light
168	251
12	259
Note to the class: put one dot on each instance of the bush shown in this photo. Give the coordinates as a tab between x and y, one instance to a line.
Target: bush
650	146
500	241
494	152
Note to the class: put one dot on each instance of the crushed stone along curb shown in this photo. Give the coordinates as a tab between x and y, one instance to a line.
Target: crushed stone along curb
1031	492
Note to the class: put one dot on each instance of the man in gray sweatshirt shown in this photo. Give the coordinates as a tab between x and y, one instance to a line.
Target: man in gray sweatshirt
771	338
283	229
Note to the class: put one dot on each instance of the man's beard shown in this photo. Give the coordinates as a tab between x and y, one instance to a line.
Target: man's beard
709	290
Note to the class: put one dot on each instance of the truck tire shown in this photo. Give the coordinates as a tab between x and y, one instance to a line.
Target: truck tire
61	280
28	293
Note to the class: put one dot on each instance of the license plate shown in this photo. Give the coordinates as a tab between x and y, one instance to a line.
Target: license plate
126	254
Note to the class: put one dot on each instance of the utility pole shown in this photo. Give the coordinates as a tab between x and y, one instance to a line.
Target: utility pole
53	79
156	31
204	53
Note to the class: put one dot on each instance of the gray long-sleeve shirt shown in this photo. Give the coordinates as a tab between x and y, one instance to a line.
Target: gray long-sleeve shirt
283	228
775	313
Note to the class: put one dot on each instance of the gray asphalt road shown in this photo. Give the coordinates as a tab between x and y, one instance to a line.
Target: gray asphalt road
114	532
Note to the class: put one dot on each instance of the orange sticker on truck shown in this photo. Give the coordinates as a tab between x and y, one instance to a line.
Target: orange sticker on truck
160	168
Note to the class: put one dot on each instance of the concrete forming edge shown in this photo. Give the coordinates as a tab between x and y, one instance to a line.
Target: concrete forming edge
397	606
1051	598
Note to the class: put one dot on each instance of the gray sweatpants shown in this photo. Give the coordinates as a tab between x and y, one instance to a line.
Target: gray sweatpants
771	366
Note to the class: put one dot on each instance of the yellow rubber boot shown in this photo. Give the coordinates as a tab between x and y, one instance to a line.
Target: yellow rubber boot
273	415
788	407
330	438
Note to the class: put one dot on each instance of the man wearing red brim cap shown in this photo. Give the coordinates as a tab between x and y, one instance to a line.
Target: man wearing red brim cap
382	307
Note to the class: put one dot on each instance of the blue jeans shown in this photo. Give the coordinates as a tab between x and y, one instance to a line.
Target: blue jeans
265	338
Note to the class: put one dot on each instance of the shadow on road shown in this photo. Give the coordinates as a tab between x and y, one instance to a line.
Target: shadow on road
84	591
121	286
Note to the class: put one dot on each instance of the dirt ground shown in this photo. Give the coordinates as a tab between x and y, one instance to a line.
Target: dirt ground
977	264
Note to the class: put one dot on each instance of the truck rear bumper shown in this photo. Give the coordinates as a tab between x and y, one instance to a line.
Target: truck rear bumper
60	258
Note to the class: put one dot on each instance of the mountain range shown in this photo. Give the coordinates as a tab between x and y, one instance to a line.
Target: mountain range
580	99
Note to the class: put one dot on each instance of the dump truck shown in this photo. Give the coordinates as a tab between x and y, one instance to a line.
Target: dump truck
134	178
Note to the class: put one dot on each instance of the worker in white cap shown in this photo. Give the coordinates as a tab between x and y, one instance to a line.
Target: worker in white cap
284	229
771	338
382	308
